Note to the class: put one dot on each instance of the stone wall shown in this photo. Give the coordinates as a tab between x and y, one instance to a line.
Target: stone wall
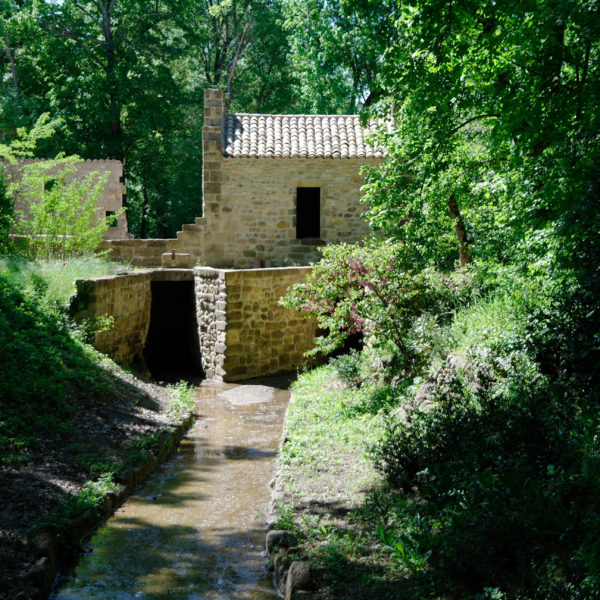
253	216
140	253
243	330
112	198
211	315
126	298
249	207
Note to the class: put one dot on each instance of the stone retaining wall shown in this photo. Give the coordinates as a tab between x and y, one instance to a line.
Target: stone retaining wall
244	331
126	298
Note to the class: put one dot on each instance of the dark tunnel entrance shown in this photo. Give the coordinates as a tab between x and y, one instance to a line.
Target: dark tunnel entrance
172	349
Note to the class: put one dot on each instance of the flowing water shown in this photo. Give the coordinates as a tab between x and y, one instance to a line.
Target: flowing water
195	529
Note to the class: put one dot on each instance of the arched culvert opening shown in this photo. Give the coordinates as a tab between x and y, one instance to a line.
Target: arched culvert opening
172	349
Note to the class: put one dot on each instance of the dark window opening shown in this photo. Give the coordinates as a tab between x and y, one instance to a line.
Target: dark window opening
50	184
308	212
172	349
110	217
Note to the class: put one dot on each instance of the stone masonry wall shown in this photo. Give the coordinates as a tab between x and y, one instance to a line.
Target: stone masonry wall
140	253
112	196
125	298
248	334
211	304
254	214
249	207
243	331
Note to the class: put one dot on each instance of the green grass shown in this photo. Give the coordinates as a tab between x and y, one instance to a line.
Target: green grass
183	397
326	475
54	280
44	362
482	496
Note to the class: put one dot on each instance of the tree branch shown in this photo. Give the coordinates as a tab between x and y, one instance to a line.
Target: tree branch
240	47
476	118
13	66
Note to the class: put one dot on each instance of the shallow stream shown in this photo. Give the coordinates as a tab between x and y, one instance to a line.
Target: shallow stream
195	529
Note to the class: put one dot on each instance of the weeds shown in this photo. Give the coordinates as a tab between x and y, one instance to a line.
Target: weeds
183	397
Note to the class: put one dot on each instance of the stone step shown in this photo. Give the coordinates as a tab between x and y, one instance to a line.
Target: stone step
190	227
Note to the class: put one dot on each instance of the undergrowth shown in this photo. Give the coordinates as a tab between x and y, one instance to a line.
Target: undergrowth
43	365
488	470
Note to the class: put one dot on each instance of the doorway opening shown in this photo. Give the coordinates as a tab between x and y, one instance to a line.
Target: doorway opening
172	349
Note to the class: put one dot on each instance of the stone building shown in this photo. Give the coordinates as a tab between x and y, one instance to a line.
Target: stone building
275	188
113	196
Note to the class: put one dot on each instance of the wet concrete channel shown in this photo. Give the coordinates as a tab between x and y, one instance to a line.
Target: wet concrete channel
195	529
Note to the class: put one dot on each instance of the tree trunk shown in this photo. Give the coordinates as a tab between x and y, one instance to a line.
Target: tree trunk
114	107
144	215
461	232
13	66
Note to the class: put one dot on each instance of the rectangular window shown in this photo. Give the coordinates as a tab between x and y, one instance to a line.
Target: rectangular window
110	216
308	212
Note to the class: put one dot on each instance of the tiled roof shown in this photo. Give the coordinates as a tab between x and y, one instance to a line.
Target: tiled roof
296	136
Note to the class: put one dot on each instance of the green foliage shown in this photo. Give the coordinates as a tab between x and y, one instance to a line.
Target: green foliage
495	107
89	499
52	282
60	214
374	291
140	448
26	140
334	57
6	218
42	363
183	397
348	368
504	467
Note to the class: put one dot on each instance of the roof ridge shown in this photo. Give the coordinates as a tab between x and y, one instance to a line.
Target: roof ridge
257	135
288	115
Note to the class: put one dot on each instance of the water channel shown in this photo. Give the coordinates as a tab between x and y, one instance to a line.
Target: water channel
195	529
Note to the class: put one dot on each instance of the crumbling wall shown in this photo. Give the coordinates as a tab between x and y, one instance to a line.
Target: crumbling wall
113	196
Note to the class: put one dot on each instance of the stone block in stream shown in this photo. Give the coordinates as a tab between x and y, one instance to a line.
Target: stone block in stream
280	538
298	581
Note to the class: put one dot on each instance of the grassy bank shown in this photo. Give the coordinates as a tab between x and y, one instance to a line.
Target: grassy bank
476	478
73	423
326	479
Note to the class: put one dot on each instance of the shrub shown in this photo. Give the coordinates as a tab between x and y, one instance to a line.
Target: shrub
42	362
372	290
61	219
503	478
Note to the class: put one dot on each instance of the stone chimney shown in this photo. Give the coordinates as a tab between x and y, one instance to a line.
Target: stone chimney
213	116
212	153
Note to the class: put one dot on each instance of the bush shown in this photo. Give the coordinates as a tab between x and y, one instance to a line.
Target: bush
372	290
502	481
41	363
60	219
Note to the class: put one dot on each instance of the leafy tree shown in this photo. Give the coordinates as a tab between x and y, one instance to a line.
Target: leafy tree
22	146
373	291
6	218
496	111
60	218
334	54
